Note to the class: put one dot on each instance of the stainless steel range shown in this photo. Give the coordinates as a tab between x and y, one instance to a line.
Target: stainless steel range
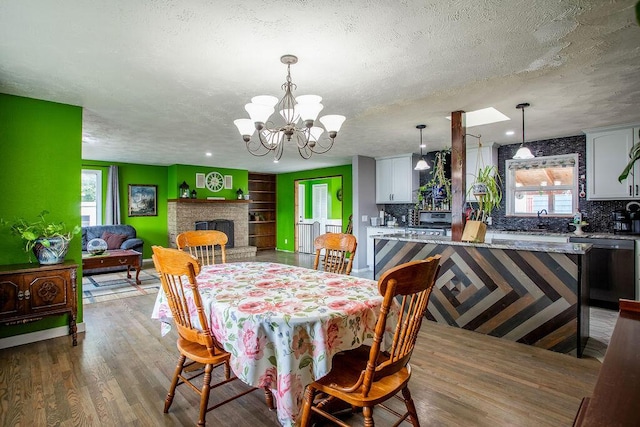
432	223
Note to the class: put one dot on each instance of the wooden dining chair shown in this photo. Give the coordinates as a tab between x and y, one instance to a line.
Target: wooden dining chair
196	344
366	377
331	252
202	243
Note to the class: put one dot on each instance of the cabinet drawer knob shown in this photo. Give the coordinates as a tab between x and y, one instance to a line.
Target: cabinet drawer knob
20	295
27	294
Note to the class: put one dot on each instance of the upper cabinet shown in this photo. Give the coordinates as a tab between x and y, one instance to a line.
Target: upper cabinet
396	180
607	156
478	157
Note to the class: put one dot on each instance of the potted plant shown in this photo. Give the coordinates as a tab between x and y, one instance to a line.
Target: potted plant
48	240
488	191
634	155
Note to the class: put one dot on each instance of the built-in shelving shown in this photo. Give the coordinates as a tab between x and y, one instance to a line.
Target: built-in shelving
262	210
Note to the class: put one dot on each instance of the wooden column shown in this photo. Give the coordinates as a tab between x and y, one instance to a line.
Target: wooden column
458	173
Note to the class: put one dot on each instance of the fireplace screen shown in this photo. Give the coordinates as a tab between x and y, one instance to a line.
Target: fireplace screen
224	225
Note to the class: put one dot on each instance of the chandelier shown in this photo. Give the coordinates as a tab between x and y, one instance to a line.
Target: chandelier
304	109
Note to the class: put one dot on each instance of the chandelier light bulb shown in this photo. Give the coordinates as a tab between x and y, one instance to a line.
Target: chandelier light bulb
246	127
332	122
259	113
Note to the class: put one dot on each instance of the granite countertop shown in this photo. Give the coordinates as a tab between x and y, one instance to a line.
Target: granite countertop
586	234
565	248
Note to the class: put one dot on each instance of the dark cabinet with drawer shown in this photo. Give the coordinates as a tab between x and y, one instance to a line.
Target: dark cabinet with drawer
29	292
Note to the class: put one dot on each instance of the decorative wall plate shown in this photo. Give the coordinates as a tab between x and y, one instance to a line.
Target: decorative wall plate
215	181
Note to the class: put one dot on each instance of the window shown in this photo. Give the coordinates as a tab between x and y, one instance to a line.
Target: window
91	204
549	183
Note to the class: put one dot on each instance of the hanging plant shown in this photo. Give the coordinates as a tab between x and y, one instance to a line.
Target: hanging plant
439	184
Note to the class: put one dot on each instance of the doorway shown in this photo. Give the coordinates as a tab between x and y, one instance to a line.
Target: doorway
318	210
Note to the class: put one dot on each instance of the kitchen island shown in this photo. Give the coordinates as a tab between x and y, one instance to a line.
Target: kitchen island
530	292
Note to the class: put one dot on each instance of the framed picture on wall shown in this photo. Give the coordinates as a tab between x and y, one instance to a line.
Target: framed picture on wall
143	200
228	182
200	180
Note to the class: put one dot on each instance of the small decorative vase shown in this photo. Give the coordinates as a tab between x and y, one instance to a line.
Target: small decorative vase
439	192
96	246
52	252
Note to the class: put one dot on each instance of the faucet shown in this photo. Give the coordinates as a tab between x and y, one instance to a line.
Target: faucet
540	223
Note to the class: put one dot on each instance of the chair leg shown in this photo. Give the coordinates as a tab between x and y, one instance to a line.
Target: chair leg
305	414
174	383
227	370
367	412
268	397
411	407
204	395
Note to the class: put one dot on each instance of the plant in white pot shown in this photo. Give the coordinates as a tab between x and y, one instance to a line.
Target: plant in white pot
48	240
487	189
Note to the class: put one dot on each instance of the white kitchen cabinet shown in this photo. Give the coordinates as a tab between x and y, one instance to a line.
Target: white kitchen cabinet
372	232
488	154
396	180
607	156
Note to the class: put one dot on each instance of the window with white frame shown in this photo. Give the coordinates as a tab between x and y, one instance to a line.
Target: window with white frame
549	183
91	194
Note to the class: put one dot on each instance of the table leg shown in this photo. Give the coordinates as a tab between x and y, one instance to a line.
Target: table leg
138	274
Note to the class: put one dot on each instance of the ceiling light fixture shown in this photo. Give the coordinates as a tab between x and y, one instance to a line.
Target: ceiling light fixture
422	163
271	137
523	152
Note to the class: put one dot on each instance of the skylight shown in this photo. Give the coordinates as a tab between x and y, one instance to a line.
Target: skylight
484	116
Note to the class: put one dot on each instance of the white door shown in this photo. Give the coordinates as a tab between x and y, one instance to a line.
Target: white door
320	208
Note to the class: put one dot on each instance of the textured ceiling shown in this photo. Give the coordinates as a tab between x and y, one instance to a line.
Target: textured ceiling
162	81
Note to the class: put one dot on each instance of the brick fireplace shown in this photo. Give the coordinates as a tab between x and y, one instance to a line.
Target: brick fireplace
182	214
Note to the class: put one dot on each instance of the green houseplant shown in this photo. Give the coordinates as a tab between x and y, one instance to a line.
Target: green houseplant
634	155
488	191
439	186
48	240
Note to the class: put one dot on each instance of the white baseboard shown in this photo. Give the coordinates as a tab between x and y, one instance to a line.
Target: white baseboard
32	337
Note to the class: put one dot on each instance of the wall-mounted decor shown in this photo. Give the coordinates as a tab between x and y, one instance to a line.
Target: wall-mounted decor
228	182
215	181
200	180
143	200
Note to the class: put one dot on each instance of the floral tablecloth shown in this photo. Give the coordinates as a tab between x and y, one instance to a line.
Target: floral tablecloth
283	324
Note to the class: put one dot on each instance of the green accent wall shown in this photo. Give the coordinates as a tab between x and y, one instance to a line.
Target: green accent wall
285	208
151	229
186	173
335	205
40	169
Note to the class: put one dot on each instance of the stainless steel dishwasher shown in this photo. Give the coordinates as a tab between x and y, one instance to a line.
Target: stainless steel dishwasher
611	271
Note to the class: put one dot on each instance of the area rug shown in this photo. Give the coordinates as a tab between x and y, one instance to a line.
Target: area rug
110	286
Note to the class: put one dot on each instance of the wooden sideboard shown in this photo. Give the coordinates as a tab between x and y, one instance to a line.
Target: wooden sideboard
29	292
617	392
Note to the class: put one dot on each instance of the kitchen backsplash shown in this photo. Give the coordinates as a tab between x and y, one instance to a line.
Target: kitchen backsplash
596	213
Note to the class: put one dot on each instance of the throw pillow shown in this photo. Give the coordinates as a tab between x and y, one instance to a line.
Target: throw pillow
114	241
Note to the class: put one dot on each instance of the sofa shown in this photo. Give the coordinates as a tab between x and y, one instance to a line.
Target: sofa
126	233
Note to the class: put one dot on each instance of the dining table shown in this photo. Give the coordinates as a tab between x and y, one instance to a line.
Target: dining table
283	324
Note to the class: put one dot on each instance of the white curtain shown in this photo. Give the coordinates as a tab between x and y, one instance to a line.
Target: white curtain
112	208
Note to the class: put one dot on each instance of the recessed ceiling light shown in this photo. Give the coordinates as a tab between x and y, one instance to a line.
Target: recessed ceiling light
208	154
484	116
509	132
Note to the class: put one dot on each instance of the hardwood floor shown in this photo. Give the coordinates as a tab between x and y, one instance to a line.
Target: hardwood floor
119	373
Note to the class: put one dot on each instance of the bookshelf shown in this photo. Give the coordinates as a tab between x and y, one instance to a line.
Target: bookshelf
262	210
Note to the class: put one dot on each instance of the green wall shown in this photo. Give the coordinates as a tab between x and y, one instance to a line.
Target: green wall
40	169
335	205
151	229
285	209
187	173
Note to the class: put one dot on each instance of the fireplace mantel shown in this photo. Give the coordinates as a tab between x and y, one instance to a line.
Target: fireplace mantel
209	201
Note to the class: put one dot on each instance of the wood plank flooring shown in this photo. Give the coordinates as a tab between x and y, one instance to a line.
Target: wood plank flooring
119	373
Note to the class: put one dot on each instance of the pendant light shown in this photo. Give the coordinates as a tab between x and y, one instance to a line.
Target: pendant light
523	152
422	163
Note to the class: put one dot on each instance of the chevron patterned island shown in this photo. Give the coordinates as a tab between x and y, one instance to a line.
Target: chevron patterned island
529	292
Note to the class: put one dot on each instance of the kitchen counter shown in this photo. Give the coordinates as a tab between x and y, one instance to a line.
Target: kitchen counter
591	235
530	292
522	245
